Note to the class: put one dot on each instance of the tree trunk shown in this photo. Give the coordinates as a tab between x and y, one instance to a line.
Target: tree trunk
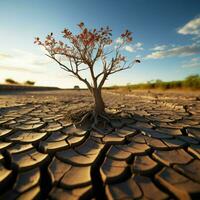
99	106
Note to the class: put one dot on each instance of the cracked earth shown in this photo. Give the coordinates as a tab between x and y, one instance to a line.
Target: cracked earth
151	151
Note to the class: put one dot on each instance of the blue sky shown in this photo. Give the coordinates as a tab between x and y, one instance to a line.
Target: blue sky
166	37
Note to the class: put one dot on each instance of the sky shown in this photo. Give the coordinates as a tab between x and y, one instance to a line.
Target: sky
166	37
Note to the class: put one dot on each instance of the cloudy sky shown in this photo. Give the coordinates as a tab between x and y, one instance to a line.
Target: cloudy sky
166	37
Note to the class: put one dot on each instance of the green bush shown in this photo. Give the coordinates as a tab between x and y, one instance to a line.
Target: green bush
191	82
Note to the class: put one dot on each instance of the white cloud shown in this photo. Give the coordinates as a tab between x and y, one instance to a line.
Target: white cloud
18	69
191	28
18	60
128	48
159	48
175	51
194	62
21	66
133	48
3	56
138	46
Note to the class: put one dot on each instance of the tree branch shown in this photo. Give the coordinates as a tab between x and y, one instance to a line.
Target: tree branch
76	74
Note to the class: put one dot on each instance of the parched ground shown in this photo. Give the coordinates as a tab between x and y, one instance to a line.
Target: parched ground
151	151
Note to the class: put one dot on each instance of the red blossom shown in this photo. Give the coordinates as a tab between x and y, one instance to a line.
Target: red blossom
81	25
126	36
74	40
48	37
85	40
66	33
37	39
61	43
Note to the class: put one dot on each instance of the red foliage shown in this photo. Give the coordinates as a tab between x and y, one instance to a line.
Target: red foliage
85	39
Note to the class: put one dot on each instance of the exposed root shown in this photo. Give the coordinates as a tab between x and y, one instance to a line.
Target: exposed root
85	117
92	118
88	118
104	116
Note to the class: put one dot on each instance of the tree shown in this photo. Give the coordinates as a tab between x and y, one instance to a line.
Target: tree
84	51
11	81
192	81
29	83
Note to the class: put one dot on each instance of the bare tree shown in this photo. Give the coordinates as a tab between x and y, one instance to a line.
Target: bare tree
86	51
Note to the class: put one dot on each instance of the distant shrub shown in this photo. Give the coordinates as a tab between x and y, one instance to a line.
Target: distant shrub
76	87
191	82
11	81
29	83
114	87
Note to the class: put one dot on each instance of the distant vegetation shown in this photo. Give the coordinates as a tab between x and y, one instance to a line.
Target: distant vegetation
29	83
13	82
190	82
